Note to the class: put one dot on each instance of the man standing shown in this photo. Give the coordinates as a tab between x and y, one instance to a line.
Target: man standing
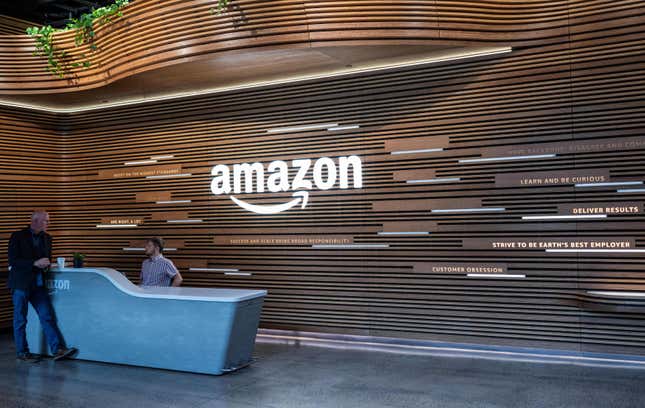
158	270
29	260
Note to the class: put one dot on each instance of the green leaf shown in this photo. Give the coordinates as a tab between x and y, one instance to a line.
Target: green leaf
83	25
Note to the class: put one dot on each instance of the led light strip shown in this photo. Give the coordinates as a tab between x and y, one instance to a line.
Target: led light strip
115	225
616	293
439	149
134	163
538	156
163	176
343	127
367	343
153	159
596	250
304	127
295	79
494	275
237	273
563	217
631	190
614	183
460	210
173	202
143	249
403	233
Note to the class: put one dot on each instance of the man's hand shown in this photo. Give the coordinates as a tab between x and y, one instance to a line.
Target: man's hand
42	263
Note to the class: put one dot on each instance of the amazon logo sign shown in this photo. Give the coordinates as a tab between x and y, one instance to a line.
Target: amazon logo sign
281	176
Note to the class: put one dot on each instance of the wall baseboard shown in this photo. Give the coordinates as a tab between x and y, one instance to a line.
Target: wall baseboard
444	349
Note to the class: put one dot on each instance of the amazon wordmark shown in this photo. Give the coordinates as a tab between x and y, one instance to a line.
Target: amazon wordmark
275	178
278	176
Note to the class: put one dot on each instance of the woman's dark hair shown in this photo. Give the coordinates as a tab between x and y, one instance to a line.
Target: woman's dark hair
157	241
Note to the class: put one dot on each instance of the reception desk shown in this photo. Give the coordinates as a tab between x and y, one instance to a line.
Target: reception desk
109	319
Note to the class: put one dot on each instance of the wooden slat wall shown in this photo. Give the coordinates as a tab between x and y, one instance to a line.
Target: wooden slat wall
14	26
573	89
30	158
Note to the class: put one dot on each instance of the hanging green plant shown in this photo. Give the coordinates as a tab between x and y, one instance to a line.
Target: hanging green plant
58	60
222	6
45	47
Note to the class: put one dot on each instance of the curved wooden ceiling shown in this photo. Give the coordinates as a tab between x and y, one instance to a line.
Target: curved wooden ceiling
153	35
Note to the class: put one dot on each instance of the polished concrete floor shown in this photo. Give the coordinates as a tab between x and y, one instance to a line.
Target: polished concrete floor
306	376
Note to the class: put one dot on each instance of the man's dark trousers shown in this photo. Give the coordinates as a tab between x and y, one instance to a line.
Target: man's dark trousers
39	299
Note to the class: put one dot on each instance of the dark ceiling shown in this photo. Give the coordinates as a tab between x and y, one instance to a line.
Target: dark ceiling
54	12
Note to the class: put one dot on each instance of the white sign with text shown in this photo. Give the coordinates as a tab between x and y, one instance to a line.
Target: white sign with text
326	174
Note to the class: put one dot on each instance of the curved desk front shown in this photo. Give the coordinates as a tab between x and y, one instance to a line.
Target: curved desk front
109	319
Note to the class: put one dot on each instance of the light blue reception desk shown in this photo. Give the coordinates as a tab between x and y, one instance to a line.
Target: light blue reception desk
109	319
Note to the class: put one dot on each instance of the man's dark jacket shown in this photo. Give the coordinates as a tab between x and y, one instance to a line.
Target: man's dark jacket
22	255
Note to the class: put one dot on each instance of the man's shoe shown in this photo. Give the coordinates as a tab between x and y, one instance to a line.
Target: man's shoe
64	353
29	357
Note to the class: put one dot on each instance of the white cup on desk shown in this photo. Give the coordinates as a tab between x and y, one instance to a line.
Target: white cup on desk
60	262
